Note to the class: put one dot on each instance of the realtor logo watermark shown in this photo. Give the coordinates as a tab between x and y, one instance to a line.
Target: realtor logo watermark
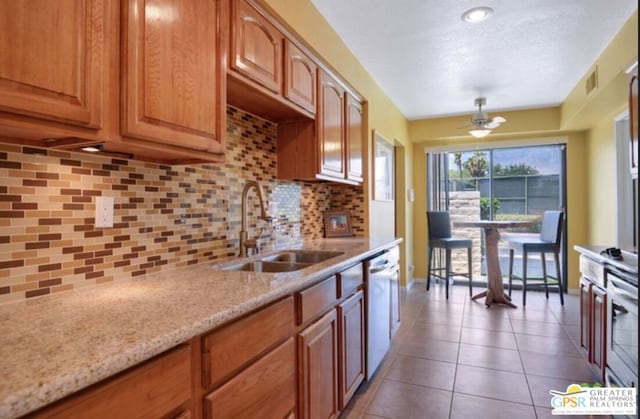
578	400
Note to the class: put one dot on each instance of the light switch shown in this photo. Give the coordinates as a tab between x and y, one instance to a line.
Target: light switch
411	195
104	211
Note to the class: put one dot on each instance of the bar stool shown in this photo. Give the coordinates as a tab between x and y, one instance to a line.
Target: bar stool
439	225
547	242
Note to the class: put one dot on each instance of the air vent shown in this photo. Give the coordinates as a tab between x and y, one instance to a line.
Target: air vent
592	81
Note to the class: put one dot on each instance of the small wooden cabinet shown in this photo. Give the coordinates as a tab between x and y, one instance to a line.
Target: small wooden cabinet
318	368
330	126
256	46
329	148
254	357
300	77
55	56
593	316
159	388
266	389
352	346
231	348
354	137
173	77
331	343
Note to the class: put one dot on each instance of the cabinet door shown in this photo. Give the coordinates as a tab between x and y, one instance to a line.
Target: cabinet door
599	336
330	120
318	369
355	137
266	389
232	347
53	59
351	315
585	314
159	388
256	47
173	80
300	78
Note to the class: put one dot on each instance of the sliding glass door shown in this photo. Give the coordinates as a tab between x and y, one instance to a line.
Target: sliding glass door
499	184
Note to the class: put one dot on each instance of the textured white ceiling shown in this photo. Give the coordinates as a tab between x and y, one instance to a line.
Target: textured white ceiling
529	54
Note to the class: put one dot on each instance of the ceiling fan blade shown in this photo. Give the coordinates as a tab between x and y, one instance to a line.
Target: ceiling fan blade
495	122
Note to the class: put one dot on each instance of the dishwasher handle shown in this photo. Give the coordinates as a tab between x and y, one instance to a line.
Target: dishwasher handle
381	268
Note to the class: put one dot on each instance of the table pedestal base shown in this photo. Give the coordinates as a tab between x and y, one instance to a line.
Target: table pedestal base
495	289
493	297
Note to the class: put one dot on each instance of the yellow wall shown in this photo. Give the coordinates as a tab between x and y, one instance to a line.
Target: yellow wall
303	18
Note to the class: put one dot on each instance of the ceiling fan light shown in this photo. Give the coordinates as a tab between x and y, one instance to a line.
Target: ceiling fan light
480	132
477	14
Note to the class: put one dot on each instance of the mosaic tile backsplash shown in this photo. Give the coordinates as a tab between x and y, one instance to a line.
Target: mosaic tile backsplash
164	216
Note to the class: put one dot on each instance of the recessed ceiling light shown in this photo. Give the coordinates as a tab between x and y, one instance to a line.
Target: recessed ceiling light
477	14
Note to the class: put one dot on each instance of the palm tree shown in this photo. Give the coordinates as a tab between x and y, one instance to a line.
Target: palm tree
457	159
477	166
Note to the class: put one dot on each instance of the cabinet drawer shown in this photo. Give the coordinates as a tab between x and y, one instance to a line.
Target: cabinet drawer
316	299
158	388
228	349
350	280
592	270
265	389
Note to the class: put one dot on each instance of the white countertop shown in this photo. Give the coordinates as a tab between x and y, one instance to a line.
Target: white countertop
56	345
629	262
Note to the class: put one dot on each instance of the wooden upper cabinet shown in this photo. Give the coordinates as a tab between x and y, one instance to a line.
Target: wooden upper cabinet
355	138
52	58
330	120
174	86
300	77
256	47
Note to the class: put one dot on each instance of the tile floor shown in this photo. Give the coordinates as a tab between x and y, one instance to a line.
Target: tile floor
458	359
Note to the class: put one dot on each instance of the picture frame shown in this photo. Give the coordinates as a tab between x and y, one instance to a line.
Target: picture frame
383	168
337	224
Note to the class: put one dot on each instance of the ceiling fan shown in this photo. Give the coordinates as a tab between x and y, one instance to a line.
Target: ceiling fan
481	124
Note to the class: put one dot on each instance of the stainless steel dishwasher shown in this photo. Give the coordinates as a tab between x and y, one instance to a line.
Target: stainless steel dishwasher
380	272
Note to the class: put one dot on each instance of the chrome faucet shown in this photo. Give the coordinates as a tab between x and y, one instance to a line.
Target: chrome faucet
245	242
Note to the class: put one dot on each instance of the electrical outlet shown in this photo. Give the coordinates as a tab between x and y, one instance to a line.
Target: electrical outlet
104	211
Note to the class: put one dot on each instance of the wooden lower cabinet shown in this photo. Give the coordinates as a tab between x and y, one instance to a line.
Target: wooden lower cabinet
597	356
585	315
159	388
352	345
318	368
231	348
593	325
266	389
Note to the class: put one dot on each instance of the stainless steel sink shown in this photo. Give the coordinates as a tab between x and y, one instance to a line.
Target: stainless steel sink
284	261
302	256
266	266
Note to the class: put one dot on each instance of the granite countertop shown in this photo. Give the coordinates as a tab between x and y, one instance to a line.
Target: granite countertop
629	262
56	345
